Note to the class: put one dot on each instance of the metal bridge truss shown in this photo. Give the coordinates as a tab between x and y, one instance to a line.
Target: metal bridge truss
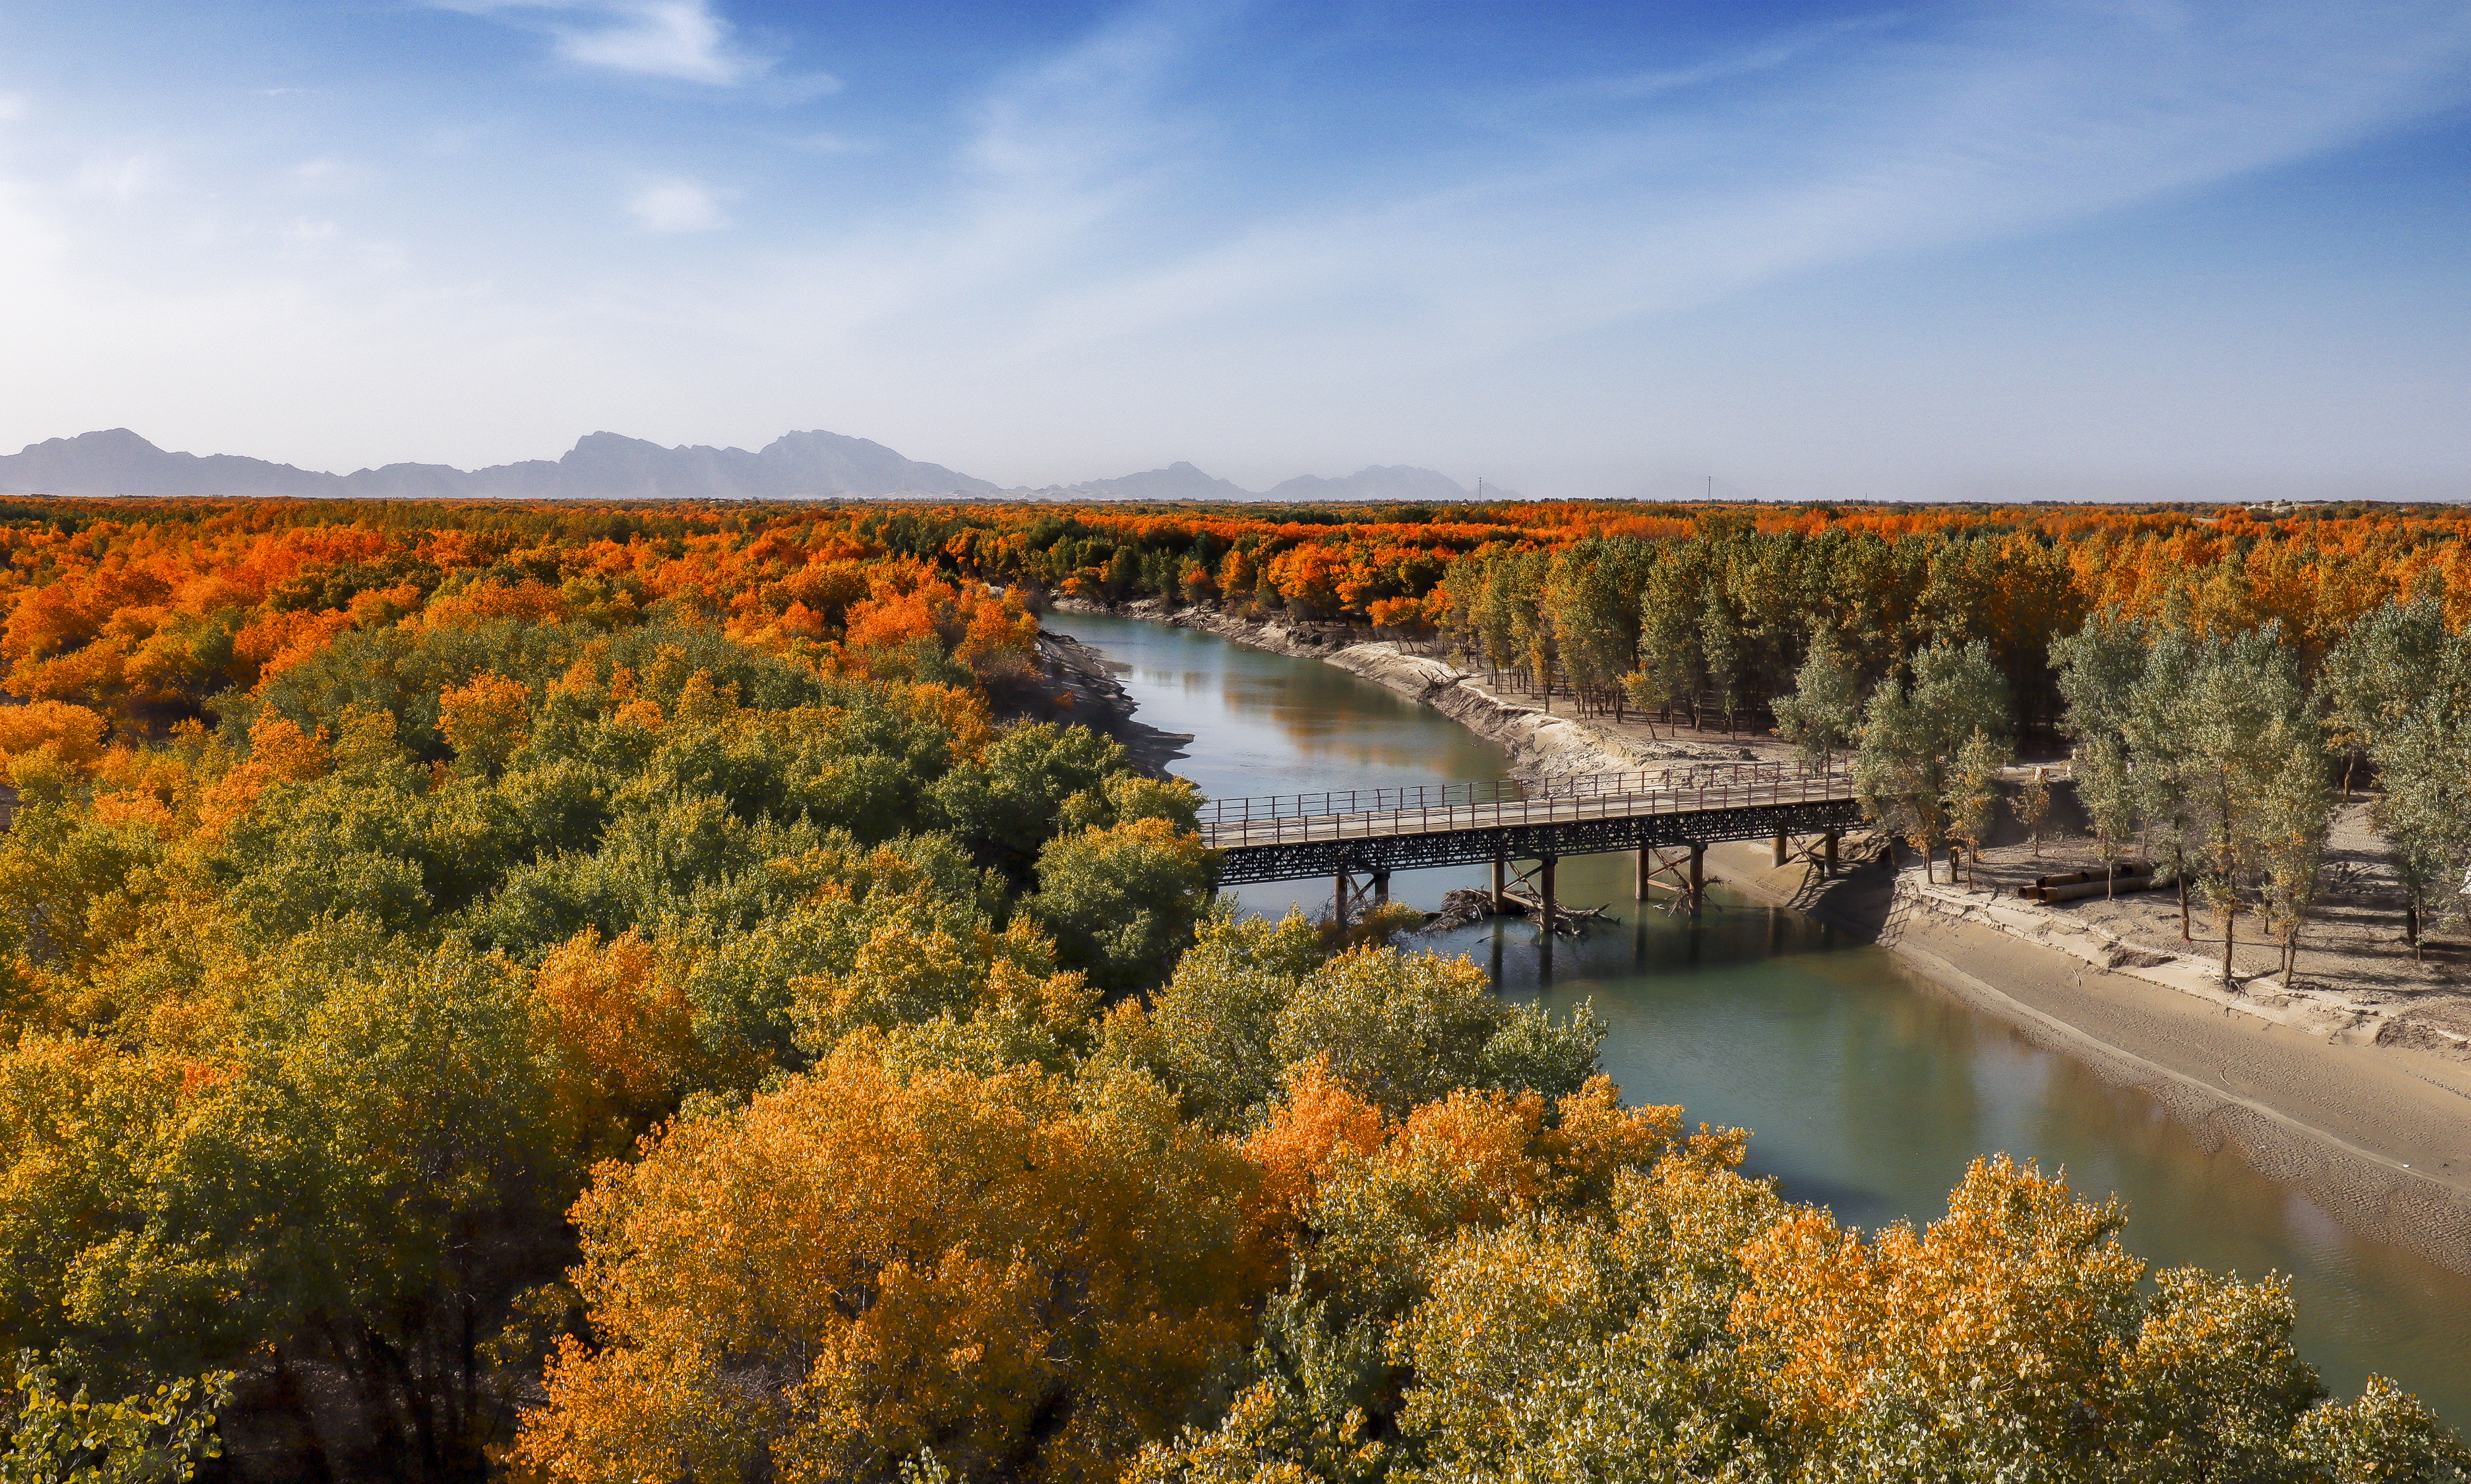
1379	854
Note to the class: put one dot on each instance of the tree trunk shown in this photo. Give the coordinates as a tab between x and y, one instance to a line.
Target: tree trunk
2187	935
2229	918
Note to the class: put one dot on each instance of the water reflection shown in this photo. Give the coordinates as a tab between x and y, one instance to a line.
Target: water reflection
1867	1089
1266	723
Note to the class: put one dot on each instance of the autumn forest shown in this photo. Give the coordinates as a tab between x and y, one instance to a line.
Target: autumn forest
649	992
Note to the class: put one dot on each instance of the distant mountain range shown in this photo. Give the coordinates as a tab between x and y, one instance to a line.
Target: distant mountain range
605	466
602	466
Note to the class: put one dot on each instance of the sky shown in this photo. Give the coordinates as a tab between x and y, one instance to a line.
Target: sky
2109	249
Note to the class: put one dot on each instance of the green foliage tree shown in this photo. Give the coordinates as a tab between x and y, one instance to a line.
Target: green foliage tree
1911	735
1122	902
1008	805
2294	812
1972	792
1724	652
1403	1029
2159	765
2233	722
2107	790
2424	807
1822	717
2383	668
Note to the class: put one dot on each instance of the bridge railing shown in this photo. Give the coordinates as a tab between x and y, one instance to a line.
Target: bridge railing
1365	813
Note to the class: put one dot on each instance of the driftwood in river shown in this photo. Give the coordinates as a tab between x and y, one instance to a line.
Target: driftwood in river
1461	908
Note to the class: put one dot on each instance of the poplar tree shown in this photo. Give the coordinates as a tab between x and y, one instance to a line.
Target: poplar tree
2232	722
2425	808
1824	714
1972	790
1669	637
2097	670
1723	650
2110	798
2153	729
2376	676
2295	815
1911	735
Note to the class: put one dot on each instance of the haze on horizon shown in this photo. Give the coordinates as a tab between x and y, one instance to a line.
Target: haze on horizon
2151	248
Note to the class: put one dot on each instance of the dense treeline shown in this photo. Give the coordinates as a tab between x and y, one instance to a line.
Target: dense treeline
598	994
1673	605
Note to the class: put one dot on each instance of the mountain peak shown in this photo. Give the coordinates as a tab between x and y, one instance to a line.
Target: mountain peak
1375	481
602	465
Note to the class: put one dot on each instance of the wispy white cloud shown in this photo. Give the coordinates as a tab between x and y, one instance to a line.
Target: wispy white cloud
1766	56
118	177
304	237
326	174
832	143
675	204
680	40
1833	146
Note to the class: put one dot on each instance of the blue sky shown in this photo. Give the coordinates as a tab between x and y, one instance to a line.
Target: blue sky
1924	251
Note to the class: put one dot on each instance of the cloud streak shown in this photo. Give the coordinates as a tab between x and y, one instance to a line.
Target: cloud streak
677	41
1843	146
676	205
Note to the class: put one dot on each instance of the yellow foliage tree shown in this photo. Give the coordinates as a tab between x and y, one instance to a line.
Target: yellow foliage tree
1028	1275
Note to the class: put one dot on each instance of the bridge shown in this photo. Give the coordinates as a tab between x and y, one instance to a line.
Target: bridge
1666	815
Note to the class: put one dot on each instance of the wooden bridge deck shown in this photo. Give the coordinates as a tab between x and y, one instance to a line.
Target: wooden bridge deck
1379	830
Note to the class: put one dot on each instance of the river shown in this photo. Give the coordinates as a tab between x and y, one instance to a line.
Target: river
1866	1088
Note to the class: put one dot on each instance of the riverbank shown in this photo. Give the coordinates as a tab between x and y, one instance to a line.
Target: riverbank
2378	1135
1090	693
1540	743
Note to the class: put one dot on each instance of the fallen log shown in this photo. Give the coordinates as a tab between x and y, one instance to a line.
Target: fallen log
1463	906
2077	891
1568	922
2123	871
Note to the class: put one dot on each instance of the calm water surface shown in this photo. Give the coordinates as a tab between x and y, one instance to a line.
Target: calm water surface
1867	1089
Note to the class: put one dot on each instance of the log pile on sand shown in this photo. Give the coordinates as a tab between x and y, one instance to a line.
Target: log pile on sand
2076	886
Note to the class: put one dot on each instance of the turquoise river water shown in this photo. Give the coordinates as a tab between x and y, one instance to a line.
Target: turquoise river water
1866	1088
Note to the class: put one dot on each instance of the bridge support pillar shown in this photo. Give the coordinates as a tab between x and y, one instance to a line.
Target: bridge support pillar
1697	875
1544	890
1338	902
1380	889
1783	845
1500	887
1827	870
1639	862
